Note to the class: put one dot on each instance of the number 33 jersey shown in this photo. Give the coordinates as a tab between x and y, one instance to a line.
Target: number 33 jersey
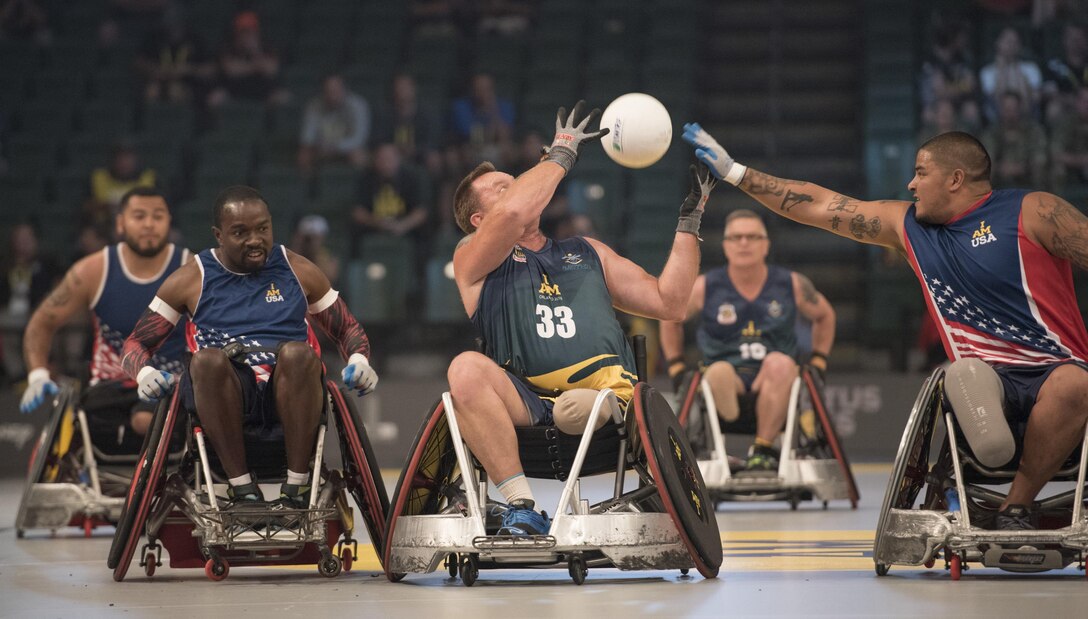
547	316
742	332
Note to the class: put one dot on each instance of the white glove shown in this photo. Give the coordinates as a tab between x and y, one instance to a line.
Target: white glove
713	155
153	383
359	375
38	386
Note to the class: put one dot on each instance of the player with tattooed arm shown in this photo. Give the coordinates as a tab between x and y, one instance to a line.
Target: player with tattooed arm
250	302
994	265
748	334
114	284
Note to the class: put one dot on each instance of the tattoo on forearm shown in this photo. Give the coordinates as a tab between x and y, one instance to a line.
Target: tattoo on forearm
146	337
758	183
843	203
861	228
1067	228
808	291
792	199
835	221
338	322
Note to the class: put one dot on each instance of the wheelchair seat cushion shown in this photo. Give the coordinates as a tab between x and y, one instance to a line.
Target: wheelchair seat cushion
548	453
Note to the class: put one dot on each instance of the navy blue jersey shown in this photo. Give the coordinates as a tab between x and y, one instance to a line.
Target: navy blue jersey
993	293
260	309
117	306
742	332
547	316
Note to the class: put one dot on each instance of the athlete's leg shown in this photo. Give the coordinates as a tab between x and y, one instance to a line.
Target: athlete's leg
296	384
218	395
140	419
1055	427
773	383
725	385
488	407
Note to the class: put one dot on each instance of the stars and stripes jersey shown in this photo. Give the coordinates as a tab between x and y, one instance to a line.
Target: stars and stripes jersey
259	309
117	305
742	332
993	293
547	316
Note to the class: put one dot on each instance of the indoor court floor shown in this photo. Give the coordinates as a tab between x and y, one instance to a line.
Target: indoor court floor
808	563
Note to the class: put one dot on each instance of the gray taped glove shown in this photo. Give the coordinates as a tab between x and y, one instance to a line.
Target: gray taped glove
691	211
571	133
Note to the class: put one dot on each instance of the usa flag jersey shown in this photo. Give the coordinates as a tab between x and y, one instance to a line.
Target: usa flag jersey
994	294
260	309
117	305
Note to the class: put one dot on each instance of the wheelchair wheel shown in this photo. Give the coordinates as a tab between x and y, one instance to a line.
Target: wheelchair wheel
680	484
361	468
689	392
42	456
815	392
142	490
912	460
427	479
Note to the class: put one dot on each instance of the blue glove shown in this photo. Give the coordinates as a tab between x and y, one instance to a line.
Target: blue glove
713	155
38	387
358	374
153	383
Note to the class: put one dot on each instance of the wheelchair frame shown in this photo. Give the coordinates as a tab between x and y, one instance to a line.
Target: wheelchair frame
197	533
799	478
913	533
634	530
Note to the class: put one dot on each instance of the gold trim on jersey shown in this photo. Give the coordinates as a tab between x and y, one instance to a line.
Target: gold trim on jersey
614	377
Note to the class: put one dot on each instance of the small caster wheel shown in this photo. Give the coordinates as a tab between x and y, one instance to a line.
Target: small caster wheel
929	564
20	534
684	571
347	559
451	564
470	569
330	566
395	576
882	569
216	569
825	506
955	567
88	527
577	569
150	563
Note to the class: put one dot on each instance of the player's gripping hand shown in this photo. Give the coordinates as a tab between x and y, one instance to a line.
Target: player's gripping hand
359	375
713	155
153	383
691	211
571	131
38	387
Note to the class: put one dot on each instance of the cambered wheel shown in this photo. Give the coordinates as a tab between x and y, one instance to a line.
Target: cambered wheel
451	564
470	570
346	559
882	569
955	567
576	567
150	562
330	566
216	569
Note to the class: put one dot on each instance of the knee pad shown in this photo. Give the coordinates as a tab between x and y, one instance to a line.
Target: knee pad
975	392
572	409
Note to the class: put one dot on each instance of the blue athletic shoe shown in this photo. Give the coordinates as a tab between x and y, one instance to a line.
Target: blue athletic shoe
522	520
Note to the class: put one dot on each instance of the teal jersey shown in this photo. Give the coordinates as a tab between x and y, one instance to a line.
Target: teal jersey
742	332
547	316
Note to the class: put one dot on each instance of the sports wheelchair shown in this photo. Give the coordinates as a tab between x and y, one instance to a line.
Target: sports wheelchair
813	464
176	507
79	470
940	492
441	513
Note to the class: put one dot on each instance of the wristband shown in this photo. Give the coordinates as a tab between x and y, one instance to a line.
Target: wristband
40	375
817	355
735	174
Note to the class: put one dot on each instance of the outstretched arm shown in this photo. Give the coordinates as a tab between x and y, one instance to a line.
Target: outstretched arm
878	223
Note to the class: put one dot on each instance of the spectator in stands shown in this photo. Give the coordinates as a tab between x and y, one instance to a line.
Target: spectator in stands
393	199
247	69
948	73
1065	74
308	241
27	275
504	17
939	118
24	20
483	122
409	125
1009	72
173	61
1070	143
89	240
335	126
1017	145
108	184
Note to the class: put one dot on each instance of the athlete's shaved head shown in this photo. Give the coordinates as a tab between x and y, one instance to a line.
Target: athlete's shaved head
235	194
957	150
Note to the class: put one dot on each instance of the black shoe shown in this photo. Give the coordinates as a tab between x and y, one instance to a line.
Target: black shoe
762	462
1014	518
246	495
293	496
